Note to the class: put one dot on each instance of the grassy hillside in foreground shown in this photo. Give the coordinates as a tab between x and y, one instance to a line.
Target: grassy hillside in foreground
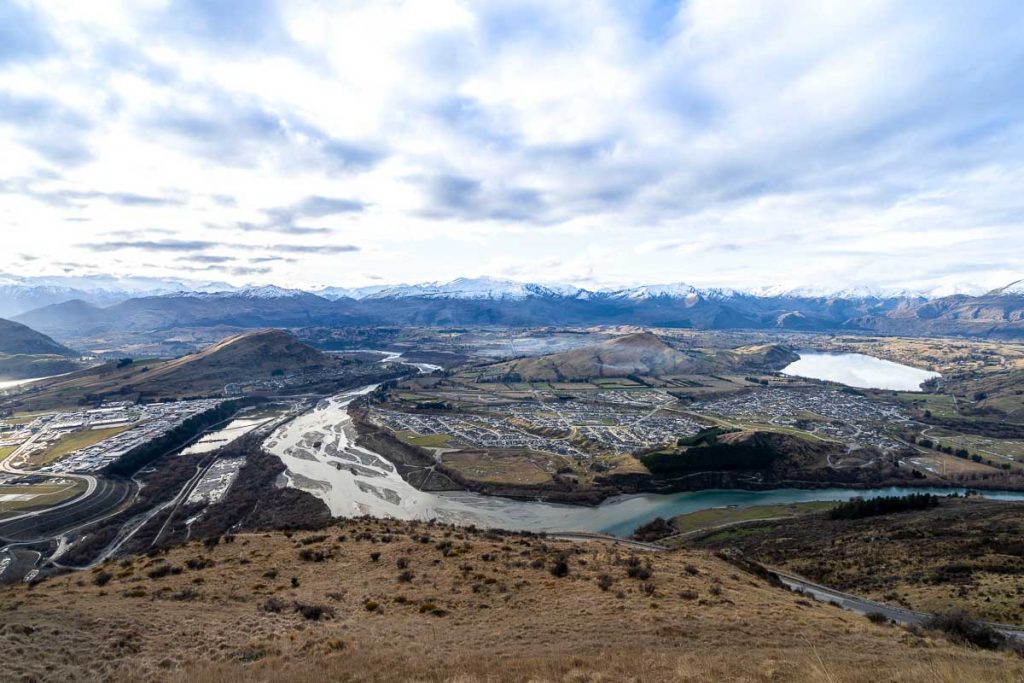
385	601
965	554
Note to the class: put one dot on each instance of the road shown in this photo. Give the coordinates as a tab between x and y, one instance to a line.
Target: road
107	495
821	593
865	606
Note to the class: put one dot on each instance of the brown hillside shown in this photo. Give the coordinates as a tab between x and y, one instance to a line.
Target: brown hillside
243	357
445	604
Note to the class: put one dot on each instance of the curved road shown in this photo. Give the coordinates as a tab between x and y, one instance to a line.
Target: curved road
44	524
821	593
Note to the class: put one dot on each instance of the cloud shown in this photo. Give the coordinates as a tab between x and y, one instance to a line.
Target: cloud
456	196
223	24
24	36
206	258
54	131
151	245
314	249
242	132
283	219
708	140
173	245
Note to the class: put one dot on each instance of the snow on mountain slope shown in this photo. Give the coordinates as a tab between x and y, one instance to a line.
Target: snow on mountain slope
475	288
1015	288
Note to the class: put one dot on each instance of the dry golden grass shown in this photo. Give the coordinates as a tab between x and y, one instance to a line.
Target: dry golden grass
475	608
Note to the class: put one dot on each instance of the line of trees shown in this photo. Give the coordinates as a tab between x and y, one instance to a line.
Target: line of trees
869	507
140	456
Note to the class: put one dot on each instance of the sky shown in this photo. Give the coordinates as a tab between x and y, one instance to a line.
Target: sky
599	143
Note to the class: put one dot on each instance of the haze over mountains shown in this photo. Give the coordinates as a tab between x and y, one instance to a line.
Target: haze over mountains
26	353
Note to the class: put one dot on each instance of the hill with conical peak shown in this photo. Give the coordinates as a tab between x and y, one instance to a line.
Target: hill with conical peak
375	600
251	356
642	353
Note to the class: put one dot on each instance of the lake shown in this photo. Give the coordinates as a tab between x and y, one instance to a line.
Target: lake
858	370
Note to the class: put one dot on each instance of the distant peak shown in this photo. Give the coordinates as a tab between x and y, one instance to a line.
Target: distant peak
1015	288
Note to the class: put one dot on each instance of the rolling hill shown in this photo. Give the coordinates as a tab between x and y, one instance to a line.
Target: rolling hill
642	353
20	339
634	354
25	353
240	358
371	600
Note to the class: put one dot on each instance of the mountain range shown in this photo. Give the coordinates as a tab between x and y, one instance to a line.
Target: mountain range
485	301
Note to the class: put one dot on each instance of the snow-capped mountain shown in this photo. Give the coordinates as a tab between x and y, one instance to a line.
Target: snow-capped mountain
267	292
679	290
476	288
1015	288
336	293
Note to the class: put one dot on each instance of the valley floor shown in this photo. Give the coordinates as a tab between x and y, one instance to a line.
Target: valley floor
389	601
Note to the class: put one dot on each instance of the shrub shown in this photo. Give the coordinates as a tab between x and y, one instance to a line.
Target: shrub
315	612
309	540
102	579
406	576
560	568
310	555
295	582
272	606
877	618
604	582
402	562
162	571
371	606
960	627
637	570
198	562
375	556
688	594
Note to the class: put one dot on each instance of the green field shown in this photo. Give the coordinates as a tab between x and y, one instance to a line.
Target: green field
716	517
44	495
74	441
940	405
425	440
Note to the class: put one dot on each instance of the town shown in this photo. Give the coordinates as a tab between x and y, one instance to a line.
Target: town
105	434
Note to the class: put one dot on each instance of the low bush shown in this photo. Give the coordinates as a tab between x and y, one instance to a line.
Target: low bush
960	627
314	612
162	571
